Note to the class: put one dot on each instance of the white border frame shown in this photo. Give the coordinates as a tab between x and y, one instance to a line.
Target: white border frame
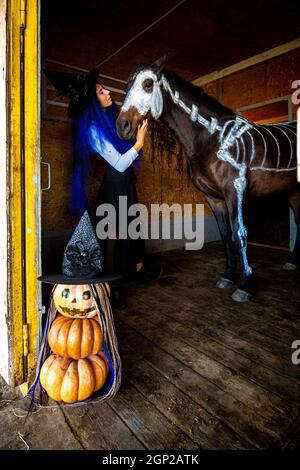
4	153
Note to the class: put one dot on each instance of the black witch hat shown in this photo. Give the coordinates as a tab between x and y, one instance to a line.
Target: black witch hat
77	87
82	260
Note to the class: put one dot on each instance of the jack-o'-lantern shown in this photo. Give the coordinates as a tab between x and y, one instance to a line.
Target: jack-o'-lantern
75	301
75	337
70	380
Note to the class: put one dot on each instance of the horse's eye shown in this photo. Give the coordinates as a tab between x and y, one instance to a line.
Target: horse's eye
65	293
148	84
86	295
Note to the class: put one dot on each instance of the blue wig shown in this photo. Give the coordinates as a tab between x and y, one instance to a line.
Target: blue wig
105	123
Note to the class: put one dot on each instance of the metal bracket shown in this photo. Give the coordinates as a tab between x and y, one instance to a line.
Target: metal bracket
49	176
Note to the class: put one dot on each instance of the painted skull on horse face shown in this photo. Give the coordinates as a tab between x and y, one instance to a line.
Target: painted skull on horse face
144	99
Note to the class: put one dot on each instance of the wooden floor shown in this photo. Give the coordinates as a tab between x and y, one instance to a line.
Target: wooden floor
200	371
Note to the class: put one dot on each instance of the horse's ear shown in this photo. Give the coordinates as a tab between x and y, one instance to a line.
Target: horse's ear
159	64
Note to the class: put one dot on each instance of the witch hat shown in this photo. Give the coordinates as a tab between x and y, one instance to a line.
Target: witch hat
77	87
82	260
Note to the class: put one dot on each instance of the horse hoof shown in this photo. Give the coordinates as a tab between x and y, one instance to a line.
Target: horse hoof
241	296
289	267
224	283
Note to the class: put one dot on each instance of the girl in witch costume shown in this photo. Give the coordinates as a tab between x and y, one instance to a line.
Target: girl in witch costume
94	119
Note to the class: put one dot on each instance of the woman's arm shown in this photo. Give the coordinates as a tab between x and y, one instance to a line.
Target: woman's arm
117	160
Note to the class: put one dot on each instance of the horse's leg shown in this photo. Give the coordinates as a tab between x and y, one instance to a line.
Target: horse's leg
220	211
294	261
235	200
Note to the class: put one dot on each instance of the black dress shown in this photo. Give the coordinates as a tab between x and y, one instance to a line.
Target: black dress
120	255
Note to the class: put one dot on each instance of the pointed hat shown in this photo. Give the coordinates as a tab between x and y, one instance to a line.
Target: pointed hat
82	260
77	87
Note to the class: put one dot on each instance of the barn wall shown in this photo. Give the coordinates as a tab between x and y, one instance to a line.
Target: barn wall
262	82
163	175
161	178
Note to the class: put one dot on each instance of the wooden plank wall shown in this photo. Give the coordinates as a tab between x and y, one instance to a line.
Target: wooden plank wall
163	175
265	81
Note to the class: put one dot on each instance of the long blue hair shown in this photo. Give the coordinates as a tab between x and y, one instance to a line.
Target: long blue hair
104	121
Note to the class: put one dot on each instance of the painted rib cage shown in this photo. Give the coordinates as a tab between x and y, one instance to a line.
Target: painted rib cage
264	147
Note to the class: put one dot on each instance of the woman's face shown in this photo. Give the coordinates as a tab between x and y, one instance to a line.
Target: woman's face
103	96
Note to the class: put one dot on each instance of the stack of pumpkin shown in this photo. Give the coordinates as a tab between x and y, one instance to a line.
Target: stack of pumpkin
77	366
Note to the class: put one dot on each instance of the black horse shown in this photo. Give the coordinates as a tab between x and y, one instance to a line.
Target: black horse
228	156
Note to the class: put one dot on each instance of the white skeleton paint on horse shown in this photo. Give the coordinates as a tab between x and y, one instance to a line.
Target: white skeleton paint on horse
228	156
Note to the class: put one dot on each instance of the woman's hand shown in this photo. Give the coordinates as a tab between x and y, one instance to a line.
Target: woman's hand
140	135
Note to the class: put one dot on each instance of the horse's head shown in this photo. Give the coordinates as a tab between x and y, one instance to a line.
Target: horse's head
143	98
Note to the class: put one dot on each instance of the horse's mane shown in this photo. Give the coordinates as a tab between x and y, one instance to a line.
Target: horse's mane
198	94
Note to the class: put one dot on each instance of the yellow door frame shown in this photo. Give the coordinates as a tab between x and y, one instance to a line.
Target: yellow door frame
24	299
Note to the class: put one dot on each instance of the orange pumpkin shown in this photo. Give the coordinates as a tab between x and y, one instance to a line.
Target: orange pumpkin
75	338
69	380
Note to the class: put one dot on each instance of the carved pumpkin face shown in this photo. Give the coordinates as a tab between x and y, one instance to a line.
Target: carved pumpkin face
75	301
